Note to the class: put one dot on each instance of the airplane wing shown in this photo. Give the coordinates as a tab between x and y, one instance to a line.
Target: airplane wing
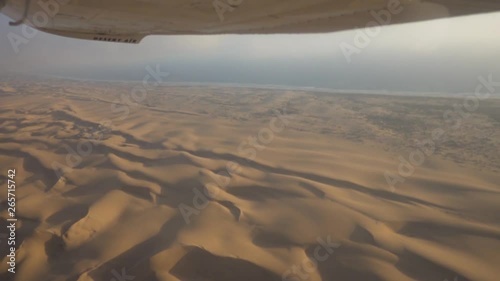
129	21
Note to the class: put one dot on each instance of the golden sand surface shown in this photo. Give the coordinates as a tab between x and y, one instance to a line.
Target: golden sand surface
115	182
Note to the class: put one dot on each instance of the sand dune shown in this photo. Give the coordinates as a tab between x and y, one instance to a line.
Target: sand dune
216	183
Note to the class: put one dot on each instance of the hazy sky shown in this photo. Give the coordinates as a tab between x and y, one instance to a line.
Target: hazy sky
441	55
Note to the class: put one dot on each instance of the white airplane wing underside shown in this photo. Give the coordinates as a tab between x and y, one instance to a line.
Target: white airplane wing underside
129	21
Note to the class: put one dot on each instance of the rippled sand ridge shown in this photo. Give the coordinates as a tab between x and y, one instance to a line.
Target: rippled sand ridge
227	183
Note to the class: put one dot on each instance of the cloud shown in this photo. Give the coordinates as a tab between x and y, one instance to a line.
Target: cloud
420	55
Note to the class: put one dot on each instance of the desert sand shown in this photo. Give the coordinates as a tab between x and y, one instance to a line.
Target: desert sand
185	182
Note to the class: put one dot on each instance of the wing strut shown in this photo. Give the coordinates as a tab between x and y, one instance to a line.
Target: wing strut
25	15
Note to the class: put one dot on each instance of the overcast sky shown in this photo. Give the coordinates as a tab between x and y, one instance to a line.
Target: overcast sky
442	55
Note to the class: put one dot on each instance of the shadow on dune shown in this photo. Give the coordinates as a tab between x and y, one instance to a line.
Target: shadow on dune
199	264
